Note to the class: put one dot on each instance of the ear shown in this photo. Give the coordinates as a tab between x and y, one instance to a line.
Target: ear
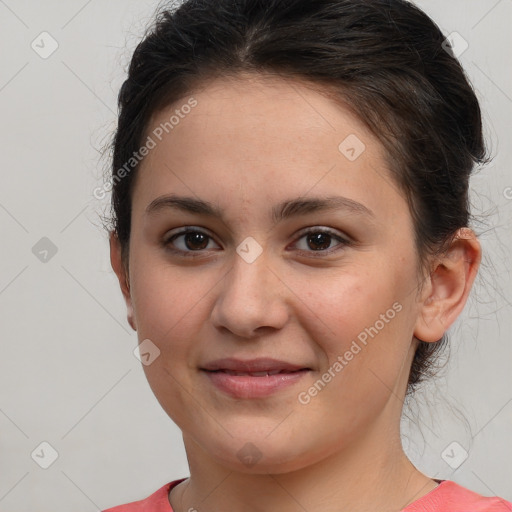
122	275
448	286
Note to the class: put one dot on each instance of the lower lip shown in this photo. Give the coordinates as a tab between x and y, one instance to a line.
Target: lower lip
245	386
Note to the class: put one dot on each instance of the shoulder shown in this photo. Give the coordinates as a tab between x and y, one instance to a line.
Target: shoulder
451	497
156	502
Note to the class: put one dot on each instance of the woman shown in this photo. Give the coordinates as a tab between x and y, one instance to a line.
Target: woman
290	233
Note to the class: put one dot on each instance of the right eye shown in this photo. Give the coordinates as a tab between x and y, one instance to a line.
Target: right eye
188	241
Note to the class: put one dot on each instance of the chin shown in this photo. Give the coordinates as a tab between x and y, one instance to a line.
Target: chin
259	454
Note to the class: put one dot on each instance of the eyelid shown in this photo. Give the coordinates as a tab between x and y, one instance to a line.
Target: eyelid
170	236
330	231
187	229
344	240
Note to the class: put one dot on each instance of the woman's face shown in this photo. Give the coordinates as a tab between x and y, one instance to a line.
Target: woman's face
253	167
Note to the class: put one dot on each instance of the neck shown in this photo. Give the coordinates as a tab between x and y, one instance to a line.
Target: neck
372	473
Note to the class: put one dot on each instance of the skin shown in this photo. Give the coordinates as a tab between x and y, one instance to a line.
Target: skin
251	143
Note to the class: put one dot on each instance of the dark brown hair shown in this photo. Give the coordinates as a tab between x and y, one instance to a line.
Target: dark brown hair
384	58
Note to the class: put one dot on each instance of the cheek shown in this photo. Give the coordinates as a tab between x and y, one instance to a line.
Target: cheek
361	325
172	312
341	305
168	302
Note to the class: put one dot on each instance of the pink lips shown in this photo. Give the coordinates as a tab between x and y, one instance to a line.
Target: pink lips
255	378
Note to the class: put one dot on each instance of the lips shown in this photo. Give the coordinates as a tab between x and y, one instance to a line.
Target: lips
254	374
254	378
260	367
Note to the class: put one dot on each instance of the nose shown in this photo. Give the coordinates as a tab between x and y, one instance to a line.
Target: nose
252	299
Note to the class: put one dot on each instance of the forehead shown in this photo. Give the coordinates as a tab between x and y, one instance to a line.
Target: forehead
265	103
260	134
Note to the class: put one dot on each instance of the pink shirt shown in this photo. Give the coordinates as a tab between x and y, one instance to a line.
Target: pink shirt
446	497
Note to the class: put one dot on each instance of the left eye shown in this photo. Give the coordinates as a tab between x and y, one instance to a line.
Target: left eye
318	240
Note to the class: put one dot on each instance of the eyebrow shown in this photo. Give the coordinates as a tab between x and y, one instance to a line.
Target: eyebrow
282	211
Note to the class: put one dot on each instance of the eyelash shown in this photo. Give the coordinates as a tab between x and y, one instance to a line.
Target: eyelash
343	242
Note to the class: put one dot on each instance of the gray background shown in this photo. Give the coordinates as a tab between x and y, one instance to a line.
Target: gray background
67	372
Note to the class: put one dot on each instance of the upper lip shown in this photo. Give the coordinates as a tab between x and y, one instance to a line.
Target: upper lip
252	365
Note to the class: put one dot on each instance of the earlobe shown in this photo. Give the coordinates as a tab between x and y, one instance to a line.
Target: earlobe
449	286
122	275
